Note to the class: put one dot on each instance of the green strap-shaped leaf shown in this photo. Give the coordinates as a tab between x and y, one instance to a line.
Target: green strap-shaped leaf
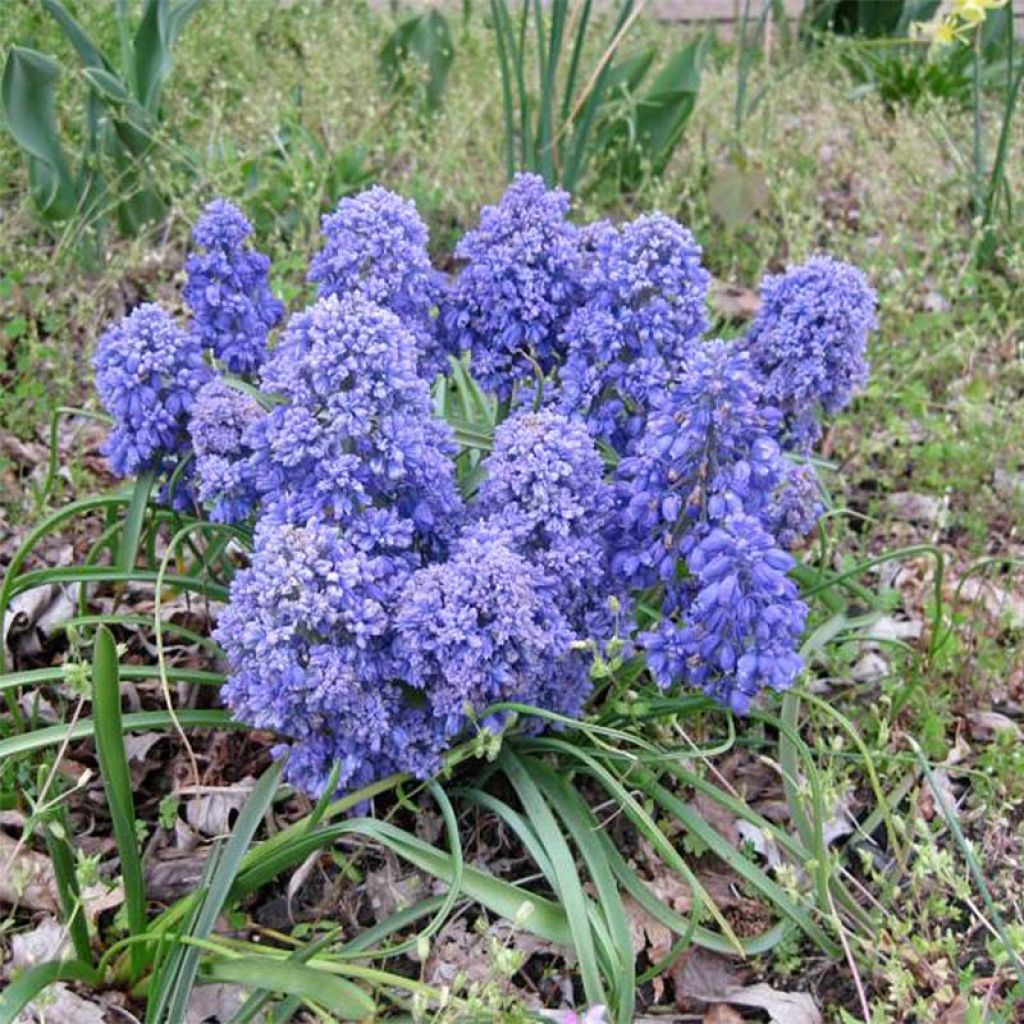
152	53
88	52
27	985
117	783
28	102
663	112
179	18
342	998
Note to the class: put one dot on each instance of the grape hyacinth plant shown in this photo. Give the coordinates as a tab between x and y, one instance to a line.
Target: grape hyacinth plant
461	493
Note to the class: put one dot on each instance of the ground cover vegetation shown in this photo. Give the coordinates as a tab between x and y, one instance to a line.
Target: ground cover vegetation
432	594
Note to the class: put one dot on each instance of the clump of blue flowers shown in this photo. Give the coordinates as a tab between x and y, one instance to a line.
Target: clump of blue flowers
521	280
809	341
148	371
375	246
461	490
644	308
227	289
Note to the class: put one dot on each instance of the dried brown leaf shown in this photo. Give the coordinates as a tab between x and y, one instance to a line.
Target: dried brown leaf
722	1013
704	977
26	877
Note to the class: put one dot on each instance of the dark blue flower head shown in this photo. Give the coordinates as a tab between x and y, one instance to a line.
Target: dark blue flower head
742	628
227	289
544	466
545	491
808	341
148	371
484	628
221	418
708	451
376	246
645	308
796	506
309	638
521	280
355	427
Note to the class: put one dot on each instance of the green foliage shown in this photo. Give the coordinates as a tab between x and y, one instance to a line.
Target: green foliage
120	124
609	126
416	58
868	17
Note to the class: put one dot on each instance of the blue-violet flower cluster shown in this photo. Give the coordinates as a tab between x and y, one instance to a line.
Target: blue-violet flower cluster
809	341
409	578
522	278
227	290
376	246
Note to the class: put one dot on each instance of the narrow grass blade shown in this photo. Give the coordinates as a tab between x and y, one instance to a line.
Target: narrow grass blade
117	784
604	774
43	676
133	520
579	820
1012	949
31	982
506	88
345	1000
48	525
582	20
746	869
105	574
140	721
564	877
63	861
182	965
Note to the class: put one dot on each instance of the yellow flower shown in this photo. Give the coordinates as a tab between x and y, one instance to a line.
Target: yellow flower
973	11
944	34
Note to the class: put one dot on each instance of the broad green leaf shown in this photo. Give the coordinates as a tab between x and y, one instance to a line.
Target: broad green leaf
88	52
424	39
179	17
151	54
737	194
27	93
664	110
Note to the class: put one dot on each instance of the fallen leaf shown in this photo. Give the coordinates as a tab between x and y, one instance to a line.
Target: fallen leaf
761	841
870	668
887	627
58	1003
48	940
733	302
648	934
174	873
781	1007
216	1004
720	818
26	877
721	1013
706	977
919	508
928	804
956	1012
212	811
986	725
999	604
